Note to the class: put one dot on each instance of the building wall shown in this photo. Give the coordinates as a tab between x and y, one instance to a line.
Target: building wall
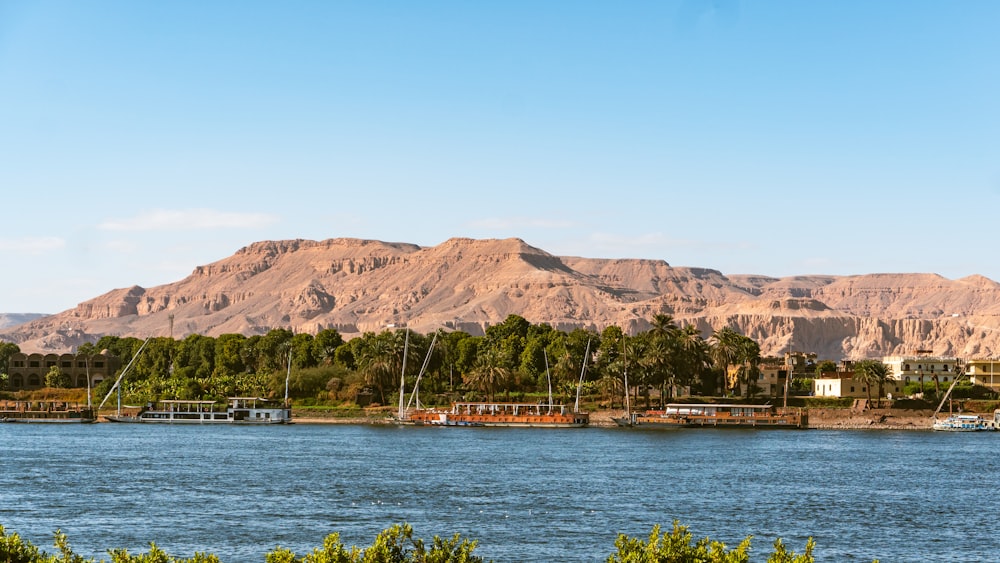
27	372
912	369
844	385
984	372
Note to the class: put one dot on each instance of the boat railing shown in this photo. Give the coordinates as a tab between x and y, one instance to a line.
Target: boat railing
43	406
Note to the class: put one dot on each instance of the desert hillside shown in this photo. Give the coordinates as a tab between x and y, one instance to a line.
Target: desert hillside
365	285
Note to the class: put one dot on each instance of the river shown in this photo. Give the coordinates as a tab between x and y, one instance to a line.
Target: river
524	494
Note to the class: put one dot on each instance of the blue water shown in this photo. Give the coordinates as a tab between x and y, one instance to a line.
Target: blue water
524	494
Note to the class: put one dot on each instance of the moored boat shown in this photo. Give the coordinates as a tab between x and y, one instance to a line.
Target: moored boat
696	415
964	423
239	410
527	415
45	412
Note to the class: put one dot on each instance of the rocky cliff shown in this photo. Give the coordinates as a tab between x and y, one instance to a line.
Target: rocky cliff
364	285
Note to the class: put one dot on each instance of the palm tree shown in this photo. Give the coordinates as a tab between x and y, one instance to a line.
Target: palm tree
661	354
871	373
379	361
489	374
657	360
663	326
749	359
693	355
724	351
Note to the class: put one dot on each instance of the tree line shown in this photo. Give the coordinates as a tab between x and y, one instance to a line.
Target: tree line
514	358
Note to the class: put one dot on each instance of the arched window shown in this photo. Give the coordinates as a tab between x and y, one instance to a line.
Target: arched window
33	380
16	381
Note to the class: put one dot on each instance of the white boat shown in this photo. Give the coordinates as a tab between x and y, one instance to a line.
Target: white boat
964	423
239	410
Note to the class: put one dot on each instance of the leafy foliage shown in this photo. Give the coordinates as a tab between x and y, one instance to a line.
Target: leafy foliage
397	545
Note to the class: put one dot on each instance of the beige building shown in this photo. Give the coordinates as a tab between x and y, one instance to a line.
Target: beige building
984	372
843	384
27	372
922	368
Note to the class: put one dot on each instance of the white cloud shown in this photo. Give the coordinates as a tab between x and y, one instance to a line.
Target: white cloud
32	245
188	219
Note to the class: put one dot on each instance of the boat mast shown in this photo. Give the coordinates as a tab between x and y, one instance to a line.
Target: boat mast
89	403
416	385
117	385
548	377
628	405
948	394
402	376
583	370
791	370
288	374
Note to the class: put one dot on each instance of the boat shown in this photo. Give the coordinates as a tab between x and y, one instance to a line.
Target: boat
628	419
527	415
45	412
238	410
699	415
964	423
477	414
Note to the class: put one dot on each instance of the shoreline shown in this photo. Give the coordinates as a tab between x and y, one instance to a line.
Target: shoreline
819	419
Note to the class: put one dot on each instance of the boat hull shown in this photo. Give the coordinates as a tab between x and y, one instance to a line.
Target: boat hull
241	410
45	412
155	417
17	420
717	416
499	415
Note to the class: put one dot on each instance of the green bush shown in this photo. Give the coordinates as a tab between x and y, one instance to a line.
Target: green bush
397	545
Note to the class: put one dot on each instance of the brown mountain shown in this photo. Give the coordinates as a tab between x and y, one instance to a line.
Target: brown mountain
364	285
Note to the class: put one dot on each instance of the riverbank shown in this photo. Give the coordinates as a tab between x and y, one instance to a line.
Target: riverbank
819	418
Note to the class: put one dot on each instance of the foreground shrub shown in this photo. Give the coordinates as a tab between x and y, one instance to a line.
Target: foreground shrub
397	545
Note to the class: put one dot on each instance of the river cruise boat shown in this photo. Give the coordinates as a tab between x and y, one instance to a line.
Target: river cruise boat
500	414
45	411
965	423
717	416
239	410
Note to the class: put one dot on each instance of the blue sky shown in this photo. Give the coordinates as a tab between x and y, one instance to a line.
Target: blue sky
139	140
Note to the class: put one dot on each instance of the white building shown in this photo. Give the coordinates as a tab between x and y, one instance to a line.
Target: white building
922	368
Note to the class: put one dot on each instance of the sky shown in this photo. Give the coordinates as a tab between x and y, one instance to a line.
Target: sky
139	140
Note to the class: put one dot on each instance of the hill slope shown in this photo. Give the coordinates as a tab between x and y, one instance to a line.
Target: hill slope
364	285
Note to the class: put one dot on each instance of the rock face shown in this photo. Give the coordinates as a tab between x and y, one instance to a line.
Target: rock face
356	285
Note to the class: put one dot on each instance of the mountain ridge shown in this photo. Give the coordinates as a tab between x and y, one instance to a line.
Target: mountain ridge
359	285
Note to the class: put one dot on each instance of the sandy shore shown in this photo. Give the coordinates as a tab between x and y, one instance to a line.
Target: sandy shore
836	419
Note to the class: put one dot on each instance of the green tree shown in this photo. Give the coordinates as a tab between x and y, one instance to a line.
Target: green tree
56	379
872	373
692	356
749	360
724	351
229	355
7	349
325	345
489	374
826	366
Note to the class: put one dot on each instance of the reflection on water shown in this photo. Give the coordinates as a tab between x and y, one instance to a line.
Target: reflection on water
524	494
